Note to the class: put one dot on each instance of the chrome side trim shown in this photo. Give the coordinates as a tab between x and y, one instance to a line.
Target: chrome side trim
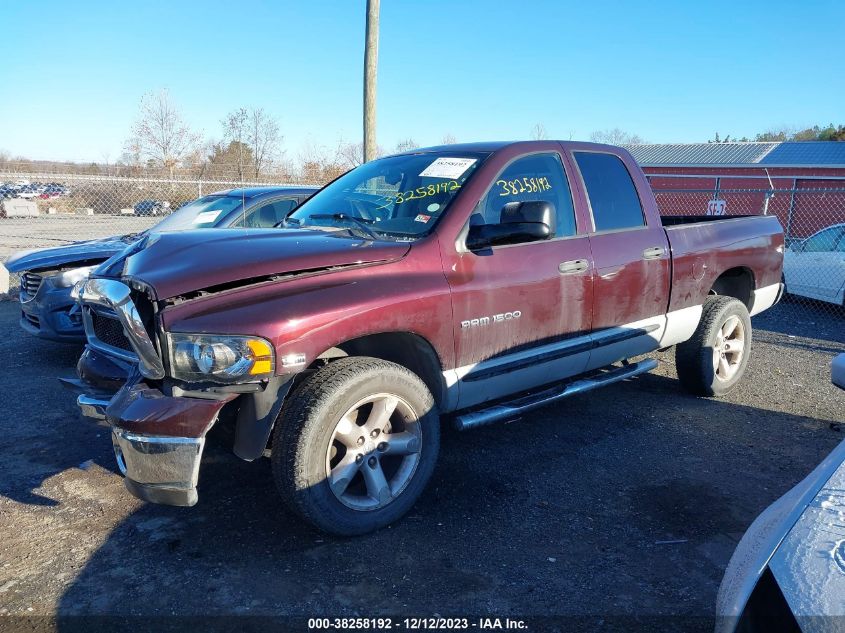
519	406
115	295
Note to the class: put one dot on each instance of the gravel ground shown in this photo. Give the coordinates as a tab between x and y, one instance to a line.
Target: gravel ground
625	503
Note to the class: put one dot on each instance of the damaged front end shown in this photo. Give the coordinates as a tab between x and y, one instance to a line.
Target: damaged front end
158	424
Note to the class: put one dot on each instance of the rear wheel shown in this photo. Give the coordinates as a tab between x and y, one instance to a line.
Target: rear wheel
713	360
355	445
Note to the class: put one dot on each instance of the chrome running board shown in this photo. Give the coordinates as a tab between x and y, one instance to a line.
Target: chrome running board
515	408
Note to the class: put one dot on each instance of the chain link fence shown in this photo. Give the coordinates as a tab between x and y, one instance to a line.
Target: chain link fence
40	210
814	229
47	209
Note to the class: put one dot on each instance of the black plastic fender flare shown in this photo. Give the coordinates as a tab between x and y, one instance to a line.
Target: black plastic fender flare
256	416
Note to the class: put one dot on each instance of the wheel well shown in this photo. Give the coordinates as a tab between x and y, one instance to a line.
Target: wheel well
737	283
403	348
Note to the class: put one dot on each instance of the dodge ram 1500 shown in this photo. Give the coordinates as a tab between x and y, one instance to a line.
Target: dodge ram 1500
471	282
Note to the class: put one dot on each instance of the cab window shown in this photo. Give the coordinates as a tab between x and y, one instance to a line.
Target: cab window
611	191
538	177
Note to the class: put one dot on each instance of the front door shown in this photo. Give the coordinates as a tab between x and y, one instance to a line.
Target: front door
518	308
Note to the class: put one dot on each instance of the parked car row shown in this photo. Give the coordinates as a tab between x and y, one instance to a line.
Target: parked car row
152	207
32	190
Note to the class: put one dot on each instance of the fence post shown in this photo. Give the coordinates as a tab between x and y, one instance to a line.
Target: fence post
788	227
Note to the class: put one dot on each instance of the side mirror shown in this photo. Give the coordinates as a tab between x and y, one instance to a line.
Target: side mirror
529	211
520	222
486	235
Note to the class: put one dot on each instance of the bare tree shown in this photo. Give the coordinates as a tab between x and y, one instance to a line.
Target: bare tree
407	145
351	154
318	165
448	139
616	137
235	130
264	138
160	136
538	132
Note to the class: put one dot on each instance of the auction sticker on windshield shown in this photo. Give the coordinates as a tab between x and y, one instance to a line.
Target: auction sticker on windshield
206	216
447	167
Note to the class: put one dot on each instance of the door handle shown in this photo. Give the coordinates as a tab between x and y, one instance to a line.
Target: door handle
655	252
573	266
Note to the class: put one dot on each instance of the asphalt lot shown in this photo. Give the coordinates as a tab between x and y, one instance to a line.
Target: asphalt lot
624	502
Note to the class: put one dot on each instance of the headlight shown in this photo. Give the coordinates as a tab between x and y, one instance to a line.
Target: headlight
223	359
71	277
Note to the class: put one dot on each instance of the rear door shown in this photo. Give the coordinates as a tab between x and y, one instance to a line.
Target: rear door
518	309
631	257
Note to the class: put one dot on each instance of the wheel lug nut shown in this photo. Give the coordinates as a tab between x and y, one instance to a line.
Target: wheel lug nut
361	441
374	433
359	459
382	446
372	462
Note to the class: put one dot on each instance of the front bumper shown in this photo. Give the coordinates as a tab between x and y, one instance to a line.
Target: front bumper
52	314
158	439
159	469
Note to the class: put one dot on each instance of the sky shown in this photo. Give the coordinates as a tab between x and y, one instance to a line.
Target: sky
73	75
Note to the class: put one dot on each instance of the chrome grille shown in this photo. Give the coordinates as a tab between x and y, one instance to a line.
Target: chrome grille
109	331
30	283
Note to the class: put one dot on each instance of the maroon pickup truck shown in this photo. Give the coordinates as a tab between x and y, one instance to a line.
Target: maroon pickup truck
472	283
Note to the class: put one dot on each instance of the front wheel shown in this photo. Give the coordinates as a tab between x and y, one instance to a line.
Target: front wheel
355	444
713	360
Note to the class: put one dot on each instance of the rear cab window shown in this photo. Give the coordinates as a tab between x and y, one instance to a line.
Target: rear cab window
614	202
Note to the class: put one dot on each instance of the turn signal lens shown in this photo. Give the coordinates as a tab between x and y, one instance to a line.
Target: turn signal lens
262	356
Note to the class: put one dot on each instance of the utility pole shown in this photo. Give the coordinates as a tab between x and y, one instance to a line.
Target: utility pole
370	68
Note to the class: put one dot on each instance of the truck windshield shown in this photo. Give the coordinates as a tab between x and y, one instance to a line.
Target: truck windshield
202	213
398	197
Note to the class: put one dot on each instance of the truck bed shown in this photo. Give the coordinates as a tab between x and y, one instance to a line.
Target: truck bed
676	220
705	246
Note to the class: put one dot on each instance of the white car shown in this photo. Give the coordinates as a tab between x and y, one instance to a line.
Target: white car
815	267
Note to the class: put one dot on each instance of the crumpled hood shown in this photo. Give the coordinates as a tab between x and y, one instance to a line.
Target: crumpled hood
83	253
181	262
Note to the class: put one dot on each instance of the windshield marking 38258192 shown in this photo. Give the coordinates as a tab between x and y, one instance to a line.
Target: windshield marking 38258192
399	197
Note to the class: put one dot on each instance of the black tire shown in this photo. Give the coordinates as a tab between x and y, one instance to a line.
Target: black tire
695	359
304	431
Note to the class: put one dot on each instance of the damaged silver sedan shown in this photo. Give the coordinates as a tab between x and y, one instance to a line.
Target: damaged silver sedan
788	571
